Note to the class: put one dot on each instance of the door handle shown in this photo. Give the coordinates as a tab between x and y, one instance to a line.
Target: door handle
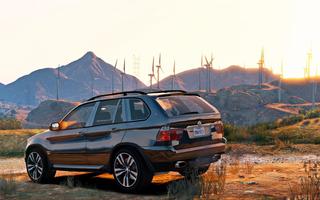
114	129
82	133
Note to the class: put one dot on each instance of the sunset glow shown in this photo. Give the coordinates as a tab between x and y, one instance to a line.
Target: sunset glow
42	34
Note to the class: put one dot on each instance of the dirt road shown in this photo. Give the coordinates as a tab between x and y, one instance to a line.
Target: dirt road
269	178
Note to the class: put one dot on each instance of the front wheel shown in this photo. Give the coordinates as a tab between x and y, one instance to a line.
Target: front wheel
130	172
37	167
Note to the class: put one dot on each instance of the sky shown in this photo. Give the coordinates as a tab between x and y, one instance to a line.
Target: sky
43	33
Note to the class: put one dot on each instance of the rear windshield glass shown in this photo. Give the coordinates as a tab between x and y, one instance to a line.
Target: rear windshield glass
184	105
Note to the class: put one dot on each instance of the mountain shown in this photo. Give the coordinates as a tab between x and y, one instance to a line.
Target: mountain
233	75
78	80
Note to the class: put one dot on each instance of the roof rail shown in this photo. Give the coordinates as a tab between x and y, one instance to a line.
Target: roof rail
166	91
117	93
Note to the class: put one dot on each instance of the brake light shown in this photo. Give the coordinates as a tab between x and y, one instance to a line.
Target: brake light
169	134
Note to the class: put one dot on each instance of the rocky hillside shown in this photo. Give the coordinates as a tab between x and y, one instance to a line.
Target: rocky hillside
47	112
248	104
233	75
75	83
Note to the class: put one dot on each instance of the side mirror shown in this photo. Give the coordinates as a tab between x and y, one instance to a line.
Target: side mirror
54	126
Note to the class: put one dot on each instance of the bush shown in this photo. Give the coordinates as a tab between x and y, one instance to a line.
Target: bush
9	124
312	114
291	120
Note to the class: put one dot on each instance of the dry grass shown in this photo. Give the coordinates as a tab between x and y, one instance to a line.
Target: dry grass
248	167
13	142
208	186
8	185
308	187
234	166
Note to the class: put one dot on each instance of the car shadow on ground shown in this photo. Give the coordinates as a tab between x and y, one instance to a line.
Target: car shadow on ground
106	183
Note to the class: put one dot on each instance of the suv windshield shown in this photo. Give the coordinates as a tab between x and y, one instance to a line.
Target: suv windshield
184	105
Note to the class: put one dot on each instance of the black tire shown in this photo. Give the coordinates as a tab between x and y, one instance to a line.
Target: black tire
130	171
37	167
193	172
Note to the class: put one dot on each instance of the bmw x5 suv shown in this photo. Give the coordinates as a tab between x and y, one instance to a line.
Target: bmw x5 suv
132	135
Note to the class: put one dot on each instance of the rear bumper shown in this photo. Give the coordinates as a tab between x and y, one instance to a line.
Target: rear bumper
165	158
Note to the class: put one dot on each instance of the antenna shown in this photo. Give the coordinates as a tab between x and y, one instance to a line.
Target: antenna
113	72
261	66
58	82
123	74
158	72
174	75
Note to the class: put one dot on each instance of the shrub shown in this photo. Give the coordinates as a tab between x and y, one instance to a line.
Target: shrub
9	123
312	114
293	119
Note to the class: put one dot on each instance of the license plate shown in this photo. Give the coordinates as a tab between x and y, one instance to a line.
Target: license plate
199	131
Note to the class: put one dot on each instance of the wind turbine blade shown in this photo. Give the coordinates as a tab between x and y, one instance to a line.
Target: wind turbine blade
160	59
174	67
206	60
115	65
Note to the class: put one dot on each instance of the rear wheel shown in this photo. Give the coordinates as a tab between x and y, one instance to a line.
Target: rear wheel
37	167
130	172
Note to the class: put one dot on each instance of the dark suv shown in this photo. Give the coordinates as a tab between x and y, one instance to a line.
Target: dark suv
132	135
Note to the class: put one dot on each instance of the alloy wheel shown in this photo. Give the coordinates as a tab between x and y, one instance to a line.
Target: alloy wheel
34	165
125	169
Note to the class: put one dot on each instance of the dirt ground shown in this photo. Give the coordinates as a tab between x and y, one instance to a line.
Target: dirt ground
269	177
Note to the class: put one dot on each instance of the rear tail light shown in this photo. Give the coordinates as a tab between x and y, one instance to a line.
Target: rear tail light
167	134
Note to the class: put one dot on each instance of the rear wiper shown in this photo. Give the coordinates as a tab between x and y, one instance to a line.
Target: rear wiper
188	113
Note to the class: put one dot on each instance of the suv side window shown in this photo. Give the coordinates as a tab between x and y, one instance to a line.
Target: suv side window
78	117
138	109
109	111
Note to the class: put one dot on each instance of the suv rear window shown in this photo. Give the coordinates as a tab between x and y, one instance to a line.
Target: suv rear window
184	104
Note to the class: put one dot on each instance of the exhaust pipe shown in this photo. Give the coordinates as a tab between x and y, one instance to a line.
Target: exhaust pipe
180	164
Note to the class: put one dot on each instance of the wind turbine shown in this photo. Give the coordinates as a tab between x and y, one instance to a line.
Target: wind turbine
158	72
199	74
174	75
123	74
113	72
208	65
152	73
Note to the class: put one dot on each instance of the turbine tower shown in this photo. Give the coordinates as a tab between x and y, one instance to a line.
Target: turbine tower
112	78
261	66
158	72
280	83
151	76
123	74
308	66
58	82
174	76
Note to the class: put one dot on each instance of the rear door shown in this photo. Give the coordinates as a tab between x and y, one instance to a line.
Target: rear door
107	130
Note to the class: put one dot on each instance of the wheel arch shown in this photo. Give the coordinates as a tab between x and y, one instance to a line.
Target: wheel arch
134	147
35	146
